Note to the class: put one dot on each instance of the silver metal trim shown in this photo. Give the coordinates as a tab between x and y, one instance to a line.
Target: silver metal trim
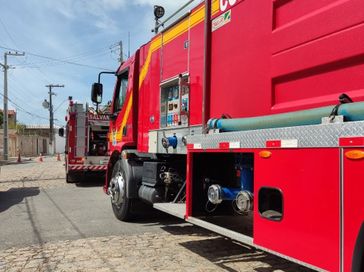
179	132
223	231
323	135
171	79
342	205
175	209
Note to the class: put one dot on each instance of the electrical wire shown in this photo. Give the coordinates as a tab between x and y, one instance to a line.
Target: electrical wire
53	63
60	105
58	60
22	109
7	32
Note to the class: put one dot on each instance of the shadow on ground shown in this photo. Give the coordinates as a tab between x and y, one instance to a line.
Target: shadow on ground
89	180
14	196
153	217
223	251
227	254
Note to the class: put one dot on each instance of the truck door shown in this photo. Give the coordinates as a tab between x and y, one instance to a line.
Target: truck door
297	211
121	125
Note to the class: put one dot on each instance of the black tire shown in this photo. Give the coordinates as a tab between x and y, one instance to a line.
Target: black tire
70	178
122	211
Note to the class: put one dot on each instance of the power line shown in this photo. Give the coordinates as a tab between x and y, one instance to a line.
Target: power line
60	105
23	110
52	62
20	86
60	60
7	32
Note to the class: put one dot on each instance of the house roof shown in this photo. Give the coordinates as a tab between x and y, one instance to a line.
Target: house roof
10	112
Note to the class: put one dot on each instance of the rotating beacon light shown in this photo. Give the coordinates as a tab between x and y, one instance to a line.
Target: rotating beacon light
158	13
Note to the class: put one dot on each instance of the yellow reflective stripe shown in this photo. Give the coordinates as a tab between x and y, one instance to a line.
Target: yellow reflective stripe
155	44
119	134
195	18
215	7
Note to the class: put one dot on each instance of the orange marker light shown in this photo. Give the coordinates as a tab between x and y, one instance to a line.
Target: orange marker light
355	154
265	154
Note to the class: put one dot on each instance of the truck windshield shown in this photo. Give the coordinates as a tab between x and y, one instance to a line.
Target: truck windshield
120	94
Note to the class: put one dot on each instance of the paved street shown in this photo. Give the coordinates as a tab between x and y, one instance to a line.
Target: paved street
49	225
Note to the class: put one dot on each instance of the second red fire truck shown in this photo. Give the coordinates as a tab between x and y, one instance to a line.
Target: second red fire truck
86	142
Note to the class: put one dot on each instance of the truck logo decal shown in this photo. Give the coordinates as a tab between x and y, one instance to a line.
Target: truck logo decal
221	20
119	135
98	116
225	3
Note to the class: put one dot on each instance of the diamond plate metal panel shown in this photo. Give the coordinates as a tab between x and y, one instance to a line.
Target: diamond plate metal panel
324	135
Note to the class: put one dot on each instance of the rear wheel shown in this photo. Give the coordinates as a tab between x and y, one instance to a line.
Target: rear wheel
120	202
70	178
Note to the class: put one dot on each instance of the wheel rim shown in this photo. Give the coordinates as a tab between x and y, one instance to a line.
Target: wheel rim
117	189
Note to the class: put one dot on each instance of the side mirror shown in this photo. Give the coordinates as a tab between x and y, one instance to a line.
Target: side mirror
61	132
113	116
96	93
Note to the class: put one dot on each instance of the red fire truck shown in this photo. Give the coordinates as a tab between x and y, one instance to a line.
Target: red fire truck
239	118
86	142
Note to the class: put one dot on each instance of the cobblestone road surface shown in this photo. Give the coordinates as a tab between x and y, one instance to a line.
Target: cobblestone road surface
175	247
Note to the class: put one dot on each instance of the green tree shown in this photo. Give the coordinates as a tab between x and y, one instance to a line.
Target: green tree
20	128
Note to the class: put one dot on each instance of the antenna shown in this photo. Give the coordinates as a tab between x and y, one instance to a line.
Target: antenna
128	44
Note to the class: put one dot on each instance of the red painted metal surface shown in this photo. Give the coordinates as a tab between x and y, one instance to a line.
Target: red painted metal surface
175	57
311	69
143	108
351	141
273	143
240	74
149	96
224	145
279	71
309	182
353	205
196	73
70	147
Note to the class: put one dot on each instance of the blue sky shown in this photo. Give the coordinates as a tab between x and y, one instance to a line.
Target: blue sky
78	31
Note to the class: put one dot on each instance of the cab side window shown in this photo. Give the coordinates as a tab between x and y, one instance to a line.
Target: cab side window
121	89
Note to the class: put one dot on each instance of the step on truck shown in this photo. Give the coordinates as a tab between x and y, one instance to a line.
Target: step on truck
245	117
86	151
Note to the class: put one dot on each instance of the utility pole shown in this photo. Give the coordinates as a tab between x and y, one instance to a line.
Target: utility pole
120	52
5	112
51	118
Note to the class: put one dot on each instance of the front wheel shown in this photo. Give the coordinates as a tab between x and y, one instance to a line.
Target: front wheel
120	202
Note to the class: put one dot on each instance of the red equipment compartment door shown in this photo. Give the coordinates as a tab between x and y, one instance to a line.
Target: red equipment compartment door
353	205
309	230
